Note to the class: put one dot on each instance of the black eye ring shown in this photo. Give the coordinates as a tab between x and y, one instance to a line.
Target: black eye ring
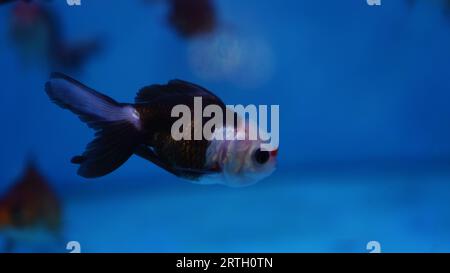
261	156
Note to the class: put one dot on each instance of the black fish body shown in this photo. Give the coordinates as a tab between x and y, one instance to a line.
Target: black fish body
154	105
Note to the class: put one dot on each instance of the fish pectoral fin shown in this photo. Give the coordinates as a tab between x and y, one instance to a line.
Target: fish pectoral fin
147	153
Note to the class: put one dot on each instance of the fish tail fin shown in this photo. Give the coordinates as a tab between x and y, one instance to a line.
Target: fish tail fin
117	125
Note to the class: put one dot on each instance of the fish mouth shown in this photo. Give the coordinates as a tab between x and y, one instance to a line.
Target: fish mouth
274	152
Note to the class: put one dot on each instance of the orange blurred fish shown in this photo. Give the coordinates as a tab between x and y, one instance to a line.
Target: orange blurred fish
30	211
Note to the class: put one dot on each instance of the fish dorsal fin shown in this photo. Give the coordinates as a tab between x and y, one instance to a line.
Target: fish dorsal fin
192	88
172	88
150	93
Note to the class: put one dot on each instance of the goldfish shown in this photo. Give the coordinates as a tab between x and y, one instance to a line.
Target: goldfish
30	211
36	32
144	128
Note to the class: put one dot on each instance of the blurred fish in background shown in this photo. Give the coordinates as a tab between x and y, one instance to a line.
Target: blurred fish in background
444	4
191	18
30	213
220	50
36	33
230	56
10	1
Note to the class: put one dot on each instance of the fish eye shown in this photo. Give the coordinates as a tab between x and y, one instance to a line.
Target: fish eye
261	156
